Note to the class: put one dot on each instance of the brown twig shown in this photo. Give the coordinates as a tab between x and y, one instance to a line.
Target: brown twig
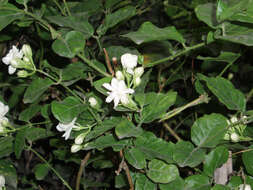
123	165
108	63
80	172
172	132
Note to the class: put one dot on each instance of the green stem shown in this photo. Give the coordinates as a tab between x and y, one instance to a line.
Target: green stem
67	8
98	42
92	65
59	6
49	166
188	49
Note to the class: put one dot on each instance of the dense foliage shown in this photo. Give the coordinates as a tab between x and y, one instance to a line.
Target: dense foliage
126	94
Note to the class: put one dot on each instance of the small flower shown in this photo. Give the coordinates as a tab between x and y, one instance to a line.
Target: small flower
9	59
2	181
138	71
129	62
93	102
119	75
234	137
75	148
66	127
119	92
244	187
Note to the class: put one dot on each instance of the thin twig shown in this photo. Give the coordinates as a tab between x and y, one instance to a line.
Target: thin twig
172	132
108	63
81	168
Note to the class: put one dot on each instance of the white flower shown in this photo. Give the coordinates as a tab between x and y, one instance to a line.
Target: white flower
244	187
75	148
119	75
234	137
233	119
66	127
119	92
2	181
93	102
9	59
138	71
129	62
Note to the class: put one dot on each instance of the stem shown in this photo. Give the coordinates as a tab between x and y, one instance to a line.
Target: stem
67	8
92	65
172	132
59	6
188	49
202	99
49	166
80	172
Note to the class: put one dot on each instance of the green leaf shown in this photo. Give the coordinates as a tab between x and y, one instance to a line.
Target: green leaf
155	105
115	18
6	146
237	33
118	51
127	129
135	157
143	183
185	154
154	147
36	89
197	182
149	32
29	113
215	159
247	158
208	130
177	184
41	171
68	109
206	13
160	172
220	187
74	71
19	144
144	82
8	14
98	85
102	164
33	134
9	172
72	44
226	92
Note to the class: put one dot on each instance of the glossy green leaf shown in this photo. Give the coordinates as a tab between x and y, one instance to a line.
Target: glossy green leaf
206	13
36	89
155	105
247	158
33	134
74	71
135	157
244	16
41	171
220	187
197	182
29	113
154	147
68	109
208	130
215	159
177	184
143	183
185	154
127	129
115	18
70	45
149	32
19	143
8	14
234	182
226	92
6	146
160	172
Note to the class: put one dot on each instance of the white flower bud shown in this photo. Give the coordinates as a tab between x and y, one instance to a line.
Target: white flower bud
2	181
119	75
79	139
244	187
93	102
137	81
234	137
233	119
226	137
22	73
129	62
27	51
138	71
75	148
230	76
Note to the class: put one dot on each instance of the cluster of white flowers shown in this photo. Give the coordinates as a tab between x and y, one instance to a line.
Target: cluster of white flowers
118	90
3	119
19	59
2	182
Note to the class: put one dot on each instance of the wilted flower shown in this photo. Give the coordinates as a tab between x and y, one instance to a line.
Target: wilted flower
2	181
119	92
66	127
93	102
129	62
10	59
244	187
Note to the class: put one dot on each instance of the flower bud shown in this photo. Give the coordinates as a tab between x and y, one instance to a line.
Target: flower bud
2	181
234	137
226	137
22	73
93	102
244	187
137	81
129	62
26	49
79	139
119	75
233	119
230	76
75	148
138	71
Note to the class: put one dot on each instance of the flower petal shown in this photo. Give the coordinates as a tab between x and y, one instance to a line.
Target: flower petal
11	70
107	86
116	101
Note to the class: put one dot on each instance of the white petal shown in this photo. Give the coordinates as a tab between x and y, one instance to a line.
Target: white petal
11	70
130	71
67	134
61	127
6	60
124	99
110	97
107	86
128	91
116	101
115	83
